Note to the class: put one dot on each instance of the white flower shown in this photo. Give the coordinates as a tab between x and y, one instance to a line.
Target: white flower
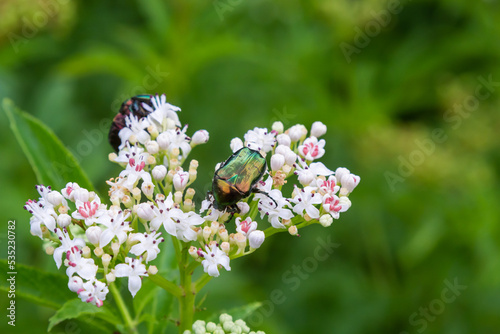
260	139
85	268
307	174
41	215
129	152
75	283
326	220
67	192
134	131
145	211
147	243
305	200
318	129
178	139
312	148
278	127
328	186
184	223
161	110
135	171
236	144
297	132
152	147
243	207
213	257
159	172
180	180
277	161
55	198
200	137
349	182
93	234
116	226
256	238
89	211
163	212
66	244
246	226
284	139
81	195
274	209
148	189
335	205
134	269
340	172
214	213
93	292
63	220
117	188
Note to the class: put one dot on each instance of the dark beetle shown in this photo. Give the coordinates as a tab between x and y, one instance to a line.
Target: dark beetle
236	179
131	106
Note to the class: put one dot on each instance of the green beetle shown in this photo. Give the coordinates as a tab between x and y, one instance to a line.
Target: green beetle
236	179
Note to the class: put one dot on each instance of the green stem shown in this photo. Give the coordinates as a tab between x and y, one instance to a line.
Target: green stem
186	301
166	285
202	281
123	308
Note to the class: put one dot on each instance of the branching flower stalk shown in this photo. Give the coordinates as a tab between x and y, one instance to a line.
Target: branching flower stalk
98	242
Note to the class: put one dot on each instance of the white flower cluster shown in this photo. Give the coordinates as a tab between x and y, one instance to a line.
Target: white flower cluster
226	325
151	195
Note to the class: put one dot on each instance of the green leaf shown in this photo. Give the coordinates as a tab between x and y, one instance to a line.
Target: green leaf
52	163
76	308
39	287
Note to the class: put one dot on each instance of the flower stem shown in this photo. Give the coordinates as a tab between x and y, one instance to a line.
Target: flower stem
186	300
166	285
202	281
123	308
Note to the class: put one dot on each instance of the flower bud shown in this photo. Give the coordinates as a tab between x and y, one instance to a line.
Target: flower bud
193	164
293	230
306	178
340	172
75	283
112	156
127	201
115	247
110	277
106	258
236	144
63	220
163	141
86	252
223	234
318	129
159	172
178	197
98	252
240	240
153	270
93	234
80	194
225	247
152	147
189	193
136	193
170	123
326	220
243	207
180	180
199	137
55	198
153	132
278	127
277	161
148	189
193	252
297	132
290	158
207	232
284	139
49	250
256	238
349	182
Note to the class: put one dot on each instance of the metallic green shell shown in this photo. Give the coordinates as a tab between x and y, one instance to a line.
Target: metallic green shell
235	179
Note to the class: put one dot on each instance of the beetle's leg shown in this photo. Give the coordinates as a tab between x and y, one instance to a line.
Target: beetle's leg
258	191
209	198
232	210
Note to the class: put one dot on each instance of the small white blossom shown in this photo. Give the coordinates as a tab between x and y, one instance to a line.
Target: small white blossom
256	238
85	268
93	292
312	148
213	257
67	192
305	200
148	242
162	110
66	244
135	171
284	139
93	234
308	173
297	132
200	137
180	180
63	220
75	283
178	139
260	139
159	172
236	144
145	211
278	127
40	215
327	186
277	161
349	182
318	129
246	226
134	269
152	147
335	205
89	211
134	131
116	226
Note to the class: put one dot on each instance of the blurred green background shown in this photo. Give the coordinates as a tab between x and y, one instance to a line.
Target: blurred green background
426	211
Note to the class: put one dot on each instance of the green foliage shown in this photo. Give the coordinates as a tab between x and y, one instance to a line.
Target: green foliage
260	61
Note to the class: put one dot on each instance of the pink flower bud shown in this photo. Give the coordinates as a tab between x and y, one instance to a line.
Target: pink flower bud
180	180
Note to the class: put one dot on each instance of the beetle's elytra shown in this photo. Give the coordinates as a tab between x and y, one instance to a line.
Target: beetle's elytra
131	106
237	177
